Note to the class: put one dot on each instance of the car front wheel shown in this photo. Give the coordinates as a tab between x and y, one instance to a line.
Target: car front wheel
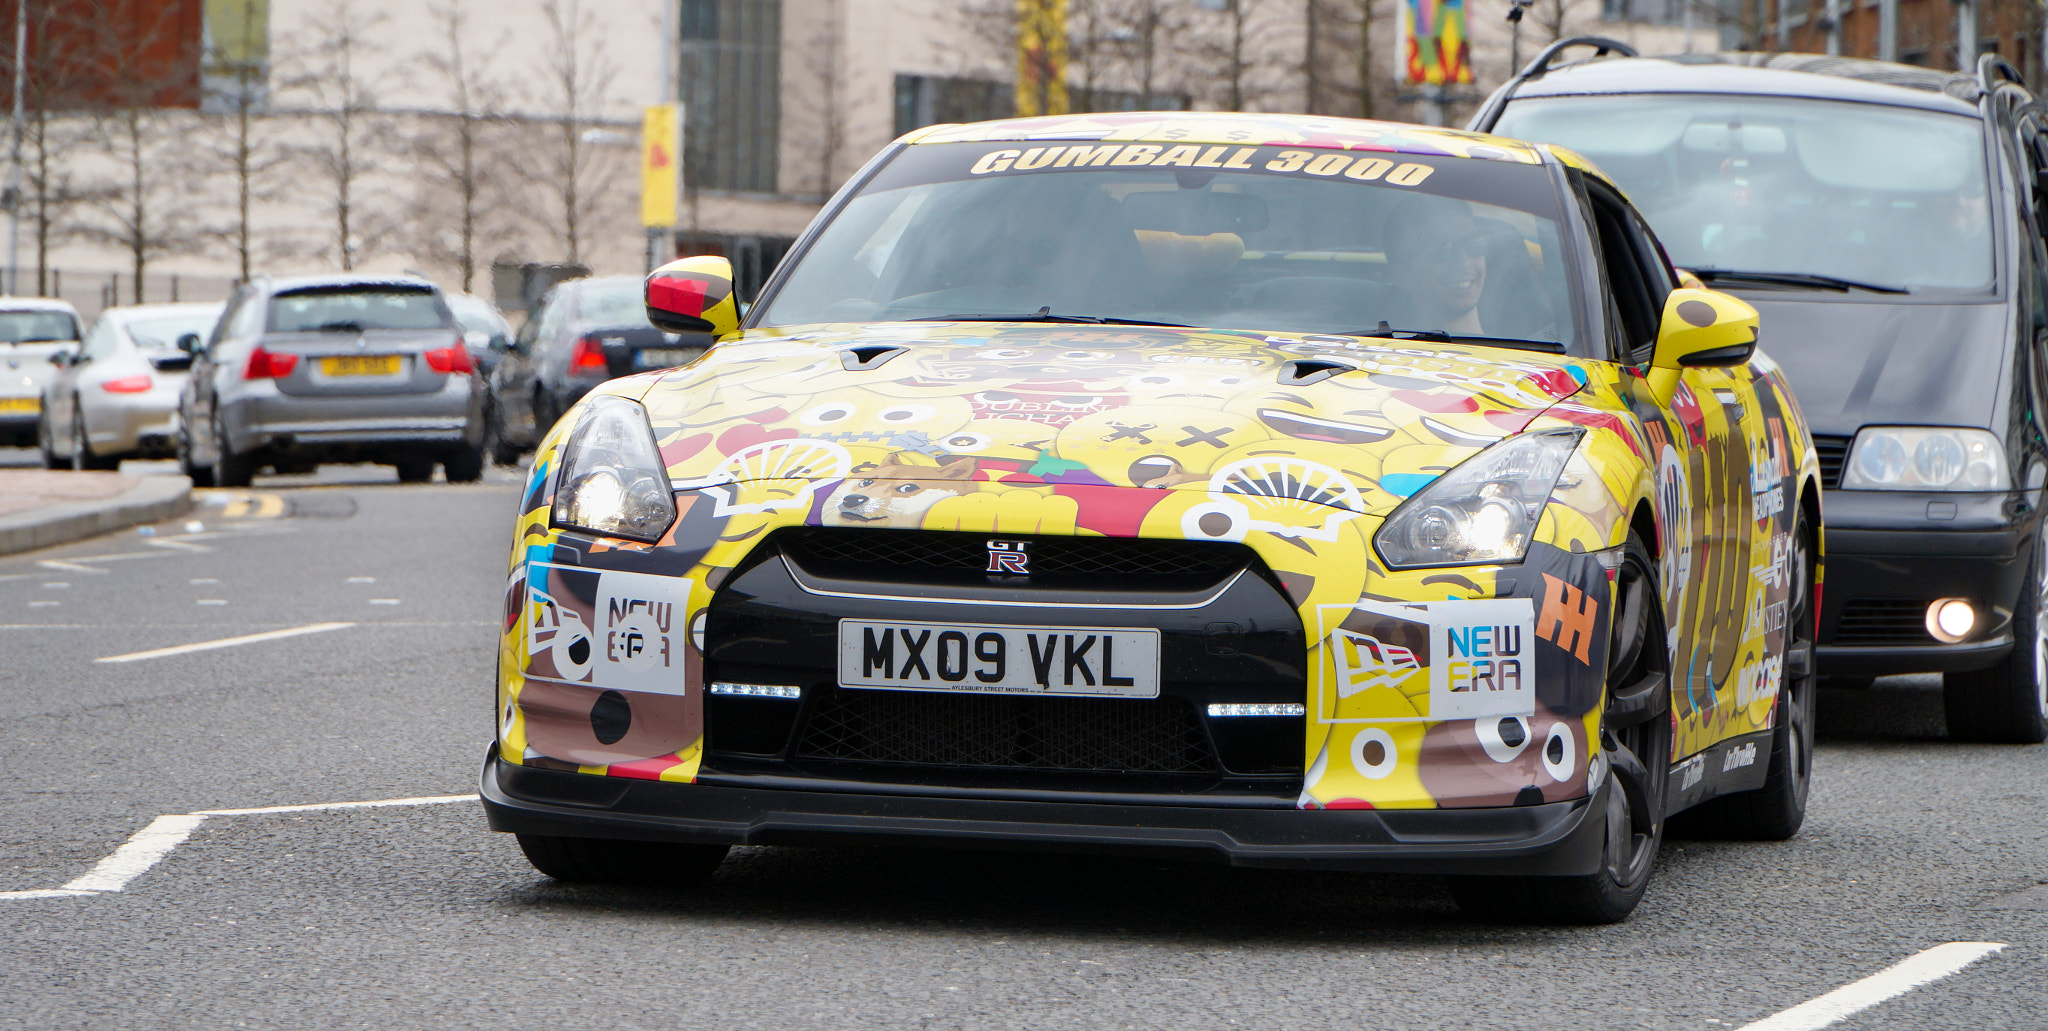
2008	703
604	861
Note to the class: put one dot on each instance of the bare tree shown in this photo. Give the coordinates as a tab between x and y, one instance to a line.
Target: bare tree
577	80
344	101
460	148
828	99
1146	31
1236	52
238	144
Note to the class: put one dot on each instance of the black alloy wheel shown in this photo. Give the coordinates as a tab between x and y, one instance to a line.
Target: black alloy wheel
2008	703
82	457
1775	811
605	861
1628	779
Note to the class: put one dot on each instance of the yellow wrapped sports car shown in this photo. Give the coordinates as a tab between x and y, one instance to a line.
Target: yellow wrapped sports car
1283	491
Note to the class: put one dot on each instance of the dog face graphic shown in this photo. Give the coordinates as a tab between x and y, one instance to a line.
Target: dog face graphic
895	494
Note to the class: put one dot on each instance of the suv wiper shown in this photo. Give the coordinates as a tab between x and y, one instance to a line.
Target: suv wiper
1807	279
1438	336
346	326
1045	315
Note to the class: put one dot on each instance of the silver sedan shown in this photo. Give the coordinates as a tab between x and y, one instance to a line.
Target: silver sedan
33	331
118	396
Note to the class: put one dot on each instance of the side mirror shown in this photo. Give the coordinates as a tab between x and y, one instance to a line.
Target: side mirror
61	359
1704	329
190	343
693	295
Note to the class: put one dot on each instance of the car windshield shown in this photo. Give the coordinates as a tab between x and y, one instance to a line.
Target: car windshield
356	308
473	313
1861	193
1257	238
34	327
612	302
161	332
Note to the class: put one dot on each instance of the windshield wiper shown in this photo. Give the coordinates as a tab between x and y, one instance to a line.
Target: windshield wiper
345	326
1806	279
1045	315
1438	336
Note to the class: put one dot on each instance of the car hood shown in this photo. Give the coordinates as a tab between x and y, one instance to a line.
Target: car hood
1854	364
898	411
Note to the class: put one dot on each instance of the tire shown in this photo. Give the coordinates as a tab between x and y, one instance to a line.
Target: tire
605	861
1635	752
465	465
48	446
2008	703
81	449
231	469
1775	811
201	475
415	470
500	451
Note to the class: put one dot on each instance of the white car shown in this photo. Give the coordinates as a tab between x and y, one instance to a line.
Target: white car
32	331
118	396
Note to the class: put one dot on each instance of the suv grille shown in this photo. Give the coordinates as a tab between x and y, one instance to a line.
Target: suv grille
886	555
1080	735
1883	621
1830	451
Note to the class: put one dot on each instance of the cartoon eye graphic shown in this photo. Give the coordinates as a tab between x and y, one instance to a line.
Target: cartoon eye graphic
1560	752
1227	381
908	488
1155	381
1082	356
1002	354
1077	401
826	415
1150	468
1504	737
867	483
907	413
995	397
1373	754
1216	521
967	442
697	629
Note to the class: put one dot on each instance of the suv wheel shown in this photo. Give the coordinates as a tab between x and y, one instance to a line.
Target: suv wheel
415	470
232	469
464	465
201	475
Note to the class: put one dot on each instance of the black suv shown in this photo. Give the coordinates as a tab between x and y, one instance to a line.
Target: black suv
1885	220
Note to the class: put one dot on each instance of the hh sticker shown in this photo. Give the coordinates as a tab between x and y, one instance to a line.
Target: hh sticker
605	628
1475	656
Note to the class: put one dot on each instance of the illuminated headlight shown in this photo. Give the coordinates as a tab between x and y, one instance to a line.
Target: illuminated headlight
1950	620
1483	511
612	481
1923	458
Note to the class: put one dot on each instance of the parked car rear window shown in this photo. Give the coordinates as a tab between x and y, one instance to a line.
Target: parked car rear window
1875	194
620	303
163	332
351	309
29	327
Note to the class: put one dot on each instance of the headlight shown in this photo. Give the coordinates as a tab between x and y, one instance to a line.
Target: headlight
1484	510
612	481
1922	458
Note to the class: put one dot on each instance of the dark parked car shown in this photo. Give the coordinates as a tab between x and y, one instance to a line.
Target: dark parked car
1885	220
584	332
483	329
330	369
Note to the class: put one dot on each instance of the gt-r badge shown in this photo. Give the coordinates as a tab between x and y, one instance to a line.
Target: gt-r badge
1008	557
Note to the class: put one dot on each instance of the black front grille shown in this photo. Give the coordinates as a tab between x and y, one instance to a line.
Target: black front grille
1883	621
1076	735
890	555
1831	451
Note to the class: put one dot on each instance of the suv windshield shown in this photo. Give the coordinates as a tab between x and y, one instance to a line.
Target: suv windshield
1861	193
1260	238
357	308
37	327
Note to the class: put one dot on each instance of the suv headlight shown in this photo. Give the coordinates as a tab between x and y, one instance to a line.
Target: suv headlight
1484	510
1924	458
612	481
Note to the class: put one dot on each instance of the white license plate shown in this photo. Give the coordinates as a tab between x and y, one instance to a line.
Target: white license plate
663	357
1107	662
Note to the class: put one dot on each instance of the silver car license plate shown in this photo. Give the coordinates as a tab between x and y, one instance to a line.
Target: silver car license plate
1093	661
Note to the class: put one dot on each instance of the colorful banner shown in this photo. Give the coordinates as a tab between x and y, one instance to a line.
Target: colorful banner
660	165
1041	57
1434	48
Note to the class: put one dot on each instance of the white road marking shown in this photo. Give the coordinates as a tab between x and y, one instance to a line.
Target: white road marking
148	846
56	585
44	604
137	854
69	567
172	542
362	579
426	800
202	580
383	601
204	601
1895	980
226	642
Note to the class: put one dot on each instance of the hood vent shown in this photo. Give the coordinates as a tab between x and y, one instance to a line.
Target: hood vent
1300	372
864	359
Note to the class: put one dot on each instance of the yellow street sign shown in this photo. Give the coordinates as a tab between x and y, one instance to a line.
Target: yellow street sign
661	164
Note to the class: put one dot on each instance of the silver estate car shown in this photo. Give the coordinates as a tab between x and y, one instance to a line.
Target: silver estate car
343	368
32	331
117	397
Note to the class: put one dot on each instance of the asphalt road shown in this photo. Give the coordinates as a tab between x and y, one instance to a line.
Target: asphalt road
417	916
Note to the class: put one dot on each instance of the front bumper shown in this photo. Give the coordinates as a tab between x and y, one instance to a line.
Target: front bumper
1889	554
1552	839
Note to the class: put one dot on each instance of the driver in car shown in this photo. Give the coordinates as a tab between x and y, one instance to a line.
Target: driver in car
1436	257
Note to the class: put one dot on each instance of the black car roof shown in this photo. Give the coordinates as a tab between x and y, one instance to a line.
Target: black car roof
1791	75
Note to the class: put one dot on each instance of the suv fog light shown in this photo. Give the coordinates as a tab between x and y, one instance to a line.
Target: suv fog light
1950	620
758	690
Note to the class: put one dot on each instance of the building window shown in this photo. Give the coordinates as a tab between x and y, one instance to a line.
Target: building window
730	81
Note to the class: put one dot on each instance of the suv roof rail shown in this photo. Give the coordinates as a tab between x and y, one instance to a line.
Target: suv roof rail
1993	70
1538	68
